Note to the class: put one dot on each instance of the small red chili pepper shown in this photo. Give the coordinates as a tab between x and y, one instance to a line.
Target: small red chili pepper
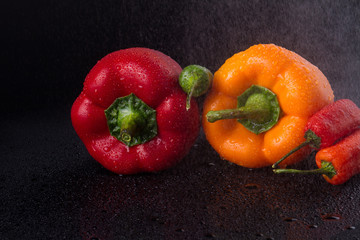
337	163
329	125
131	114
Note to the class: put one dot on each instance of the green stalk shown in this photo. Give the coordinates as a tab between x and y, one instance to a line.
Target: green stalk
131	121
257	110
195	81
190	94
311	139
236	113
327	168
307	142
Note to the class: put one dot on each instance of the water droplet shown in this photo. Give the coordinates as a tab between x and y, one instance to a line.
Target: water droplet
350	228
106	149
313	226
95	90
211	164
180	230
330	217
290	219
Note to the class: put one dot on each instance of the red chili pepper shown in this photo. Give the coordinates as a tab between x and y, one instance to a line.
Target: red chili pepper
337	163
344	157
329	125
131	113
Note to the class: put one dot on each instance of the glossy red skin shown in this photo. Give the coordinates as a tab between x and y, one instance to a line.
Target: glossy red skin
345	157
152	77
334	121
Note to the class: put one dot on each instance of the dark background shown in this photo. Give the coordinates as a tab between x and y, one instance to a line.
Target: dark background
50	187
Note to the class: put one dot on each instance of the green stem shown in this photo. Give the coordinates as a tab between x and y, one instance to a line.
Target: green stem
236	113
195	80
307	142
131	121
257	110
190	94
130	125
327	168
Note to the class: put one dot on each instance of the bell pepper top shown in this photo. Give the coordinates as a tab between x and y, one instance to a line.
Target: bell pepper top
257	110
131	121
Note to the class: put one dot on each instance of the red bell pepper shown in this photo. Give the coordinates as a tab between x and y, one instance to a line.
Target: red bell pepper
131	114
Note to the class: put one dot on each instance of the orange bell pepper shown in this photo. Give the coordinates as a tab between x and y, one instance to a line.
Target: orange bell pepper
301	89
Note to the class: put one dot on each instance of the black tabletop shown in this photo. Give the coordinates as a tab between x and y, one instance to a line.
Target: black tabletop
51	188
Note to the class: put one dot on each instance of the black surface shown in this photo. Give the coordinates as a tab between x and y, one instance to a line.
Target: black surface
52	189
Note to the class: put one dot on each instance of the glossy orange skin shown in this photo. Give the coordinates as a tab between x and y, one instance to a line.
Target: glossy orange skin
301	89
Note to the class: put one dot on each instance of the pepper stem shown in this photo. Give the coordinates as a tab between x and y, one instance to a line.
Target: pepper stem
238	113
130	125
311	139
190	94
195	80
131	121
327	169
257	109
305	143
